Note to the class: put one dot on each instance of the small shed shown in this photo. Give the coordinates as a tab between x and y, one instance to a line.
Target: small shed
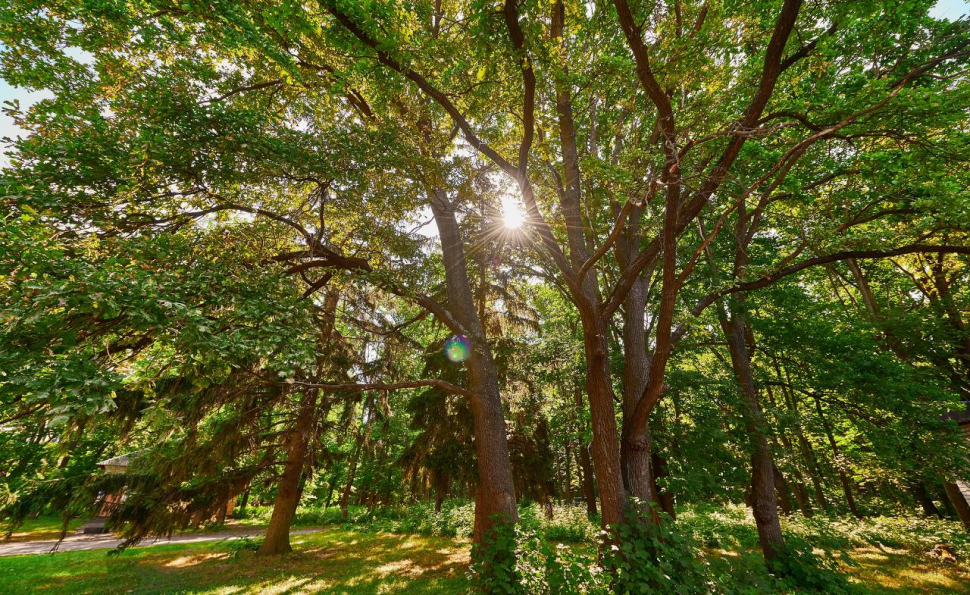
962	417
119	464
114	465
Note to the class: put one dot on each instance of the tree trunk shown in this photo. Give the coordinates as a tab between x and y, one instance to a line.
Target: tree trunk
586	464
599	383
808	453
799	490
351	474
666	497
495	498
951	511
636	450
568	483
599	389
764	502
441	483
781	489
923	499
959	503
843	478
277	539
801	495
221	517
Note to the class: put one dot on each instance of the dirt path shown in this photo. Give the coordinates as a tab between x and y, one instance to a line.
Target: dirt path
76	543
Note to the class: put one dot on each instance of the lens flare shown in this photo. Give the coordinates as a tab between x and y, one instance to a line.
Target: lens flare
512	214
458	348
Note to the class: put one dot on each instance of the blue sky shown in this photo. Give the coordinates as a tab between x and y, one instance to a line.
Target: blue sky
949	9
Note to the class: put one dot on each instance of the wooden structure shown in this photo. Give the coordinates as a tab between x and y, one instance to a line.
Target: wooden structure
119	464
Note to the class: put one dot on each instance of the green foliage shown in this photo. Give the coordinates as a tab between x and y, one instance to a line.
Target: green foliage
797	567
236	547
544	567
654	557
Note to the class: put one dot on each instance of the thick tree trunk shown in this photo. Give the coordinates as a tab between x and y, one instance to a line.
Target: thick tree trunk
277	540
599	383
599	389
636	450
636	454
495	498
959	503
764	502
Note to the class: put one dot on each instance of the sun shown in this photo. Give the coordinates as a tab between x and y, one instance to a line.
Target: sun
512	214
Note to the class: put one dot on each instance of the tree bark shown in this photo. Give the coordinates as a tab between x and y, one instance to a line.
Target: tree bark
277	540
764	501
495	498
441	483
781	489
636	458
923	499
599	389
659	465
599	383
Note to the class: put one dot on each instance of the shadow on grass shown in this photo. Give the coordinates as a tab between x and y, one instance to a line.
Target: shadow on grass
890	571
333	562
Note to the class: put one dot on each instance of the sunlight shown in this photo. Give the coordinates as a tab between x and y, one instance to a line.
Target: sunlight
512	213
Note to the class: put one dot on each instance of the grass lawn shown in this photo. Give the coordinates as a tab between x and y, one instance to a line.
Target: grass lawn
334	561
43	527
341	562
889	571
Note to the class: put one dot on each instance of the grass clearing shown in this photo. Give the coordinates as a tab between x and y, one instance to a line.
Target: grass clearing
334	561
339	561
43	527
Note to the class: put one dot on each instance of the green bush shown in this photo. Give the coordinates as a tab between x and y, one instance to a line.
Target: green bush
537	568
798	567
655	558
247	544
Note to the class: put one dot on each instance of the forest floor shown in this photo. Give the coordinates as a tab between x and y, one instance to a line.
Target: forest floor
339	561
78	543
333	561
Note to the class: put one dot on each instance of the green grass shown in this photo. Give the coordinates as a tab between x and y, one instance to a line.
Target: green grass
890	557
43	527
333	561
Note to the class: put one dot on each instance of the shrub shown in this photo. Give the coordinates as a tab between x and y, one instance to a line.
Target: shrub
797	566
537	567
236	547
655	558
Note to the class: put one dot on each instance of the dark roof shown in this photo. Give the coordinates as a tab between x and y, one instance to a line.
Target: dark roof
118	461
961	415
